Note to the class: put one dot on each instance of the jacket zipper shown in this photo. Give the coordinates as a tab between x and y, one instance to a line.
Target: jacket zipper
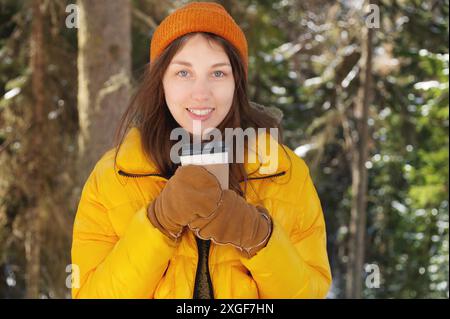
122	173
268	176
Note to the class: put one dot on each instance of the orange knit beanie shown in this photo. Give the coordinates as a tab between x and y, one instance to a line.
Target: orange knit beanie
199	17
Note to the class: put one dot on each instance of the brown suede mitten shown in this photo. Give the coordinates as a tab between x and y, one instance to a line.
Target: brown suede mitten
190	193
236	222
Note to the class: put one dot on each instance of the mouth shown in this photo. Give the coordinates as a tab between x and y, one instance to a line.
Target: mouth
201	114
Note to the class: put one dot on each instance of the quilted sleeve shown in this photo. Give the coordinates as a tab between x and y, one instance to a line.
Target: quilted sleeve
295	266
106	266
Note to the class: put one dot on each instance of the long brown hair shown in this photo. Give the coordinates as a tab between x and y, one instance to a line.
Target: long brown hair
149	113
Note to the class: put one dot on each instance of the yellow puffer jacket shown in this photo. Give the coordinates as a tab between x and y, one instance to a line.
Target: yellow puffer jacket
117	253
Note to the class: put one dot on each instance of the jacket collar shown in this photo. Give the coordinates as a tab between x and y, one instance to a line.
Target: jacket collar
132	159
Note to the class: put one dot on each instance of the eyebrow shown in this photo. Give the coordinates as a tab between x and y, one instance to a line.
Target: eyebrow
188	64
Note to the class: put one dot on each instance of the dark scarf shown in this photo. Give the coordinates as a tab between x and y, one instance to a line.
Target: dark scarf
203	286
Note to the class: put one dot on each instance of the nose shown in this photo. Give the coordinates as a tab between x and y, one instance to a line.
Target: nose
200	90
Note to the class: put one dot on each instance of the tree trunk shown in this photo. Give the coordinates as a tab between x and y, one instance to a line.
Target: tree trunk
104	68
34	216
358	216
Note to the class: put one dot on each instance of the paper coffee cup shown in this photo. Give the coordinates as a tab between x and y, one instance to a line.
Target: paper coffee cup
212	156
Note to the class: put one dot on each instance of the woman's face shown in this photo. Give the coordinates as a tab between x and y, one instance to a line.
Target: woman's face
199	84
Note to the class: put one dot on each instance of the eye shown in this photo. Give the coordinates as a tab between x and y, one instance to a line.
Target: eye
182	73
219	74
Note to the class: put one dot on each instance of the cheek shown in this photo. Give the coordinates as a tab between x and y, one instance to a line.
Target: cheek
224	97
175	97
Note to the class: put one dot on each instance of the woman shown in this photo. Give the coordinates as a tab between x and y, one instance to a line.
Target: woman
147	227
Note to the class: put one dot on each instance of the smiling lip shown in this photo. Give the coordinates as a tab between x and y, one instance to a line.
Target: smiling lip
200	117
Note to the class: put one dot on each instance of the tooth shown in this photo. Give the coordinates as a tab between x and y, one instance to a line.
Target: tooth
200	112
